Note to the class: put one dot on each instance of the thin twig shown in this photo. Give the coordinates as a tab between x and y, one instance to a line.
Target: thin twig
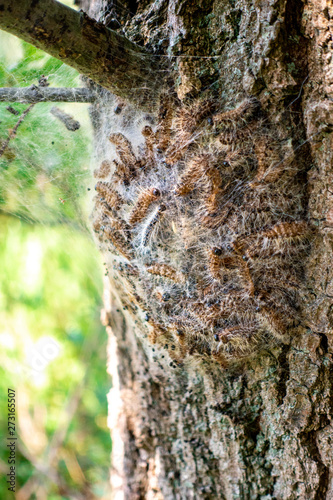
34	94
12	133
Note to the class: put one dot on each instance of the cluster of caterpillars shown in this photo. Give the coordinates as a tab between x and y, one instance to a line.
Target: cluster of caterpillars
206	222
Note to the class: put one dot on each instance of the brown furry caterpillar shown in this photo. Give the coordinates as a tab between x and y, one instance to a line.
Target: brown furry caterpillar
103	171
111	197
142	205
166	272
201	171
152	224
219	195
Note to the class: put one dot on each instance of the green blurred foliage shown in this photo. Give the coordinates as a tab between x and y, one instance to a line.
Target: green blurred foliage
44	162
52	345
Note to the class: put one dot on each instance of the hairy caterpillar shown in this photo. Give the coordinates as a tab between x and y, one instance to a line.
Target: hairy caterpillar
217	264
145	199
167	272
213	193
216	215
290	230
273	323
149	228
124	148
165	120
119	242
150	139
201	170
238	117
111	197
103	171
187	120
190	177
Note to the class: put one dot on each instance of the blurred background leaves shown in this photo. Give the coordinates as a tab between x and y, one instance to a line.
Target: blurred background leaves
52	345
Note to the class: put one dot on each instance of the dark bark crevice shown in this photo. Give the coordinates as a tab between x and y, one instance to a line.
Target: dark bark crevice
309	442
284	375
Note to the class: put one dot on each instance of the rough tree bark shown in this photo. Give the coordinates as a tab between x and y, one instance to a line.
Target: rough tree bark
262	429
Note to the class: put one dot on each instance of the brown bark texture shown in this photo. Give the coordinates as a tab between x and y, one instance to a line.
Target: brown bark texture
260	428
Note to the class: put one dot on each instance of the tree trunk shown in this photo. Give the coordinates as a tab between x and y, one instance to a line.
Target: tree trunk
258	426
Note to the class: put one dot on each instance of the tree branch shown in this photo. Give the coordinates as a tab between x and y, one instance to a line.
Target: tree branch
36	94
13	131
85	44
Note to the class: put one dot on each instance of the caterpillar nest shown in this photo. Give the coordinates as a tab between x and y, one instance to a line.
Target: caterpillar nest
204	220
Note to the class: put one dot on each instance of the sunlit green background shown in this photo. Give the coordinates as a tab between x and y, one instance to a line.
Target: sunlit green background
52	345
